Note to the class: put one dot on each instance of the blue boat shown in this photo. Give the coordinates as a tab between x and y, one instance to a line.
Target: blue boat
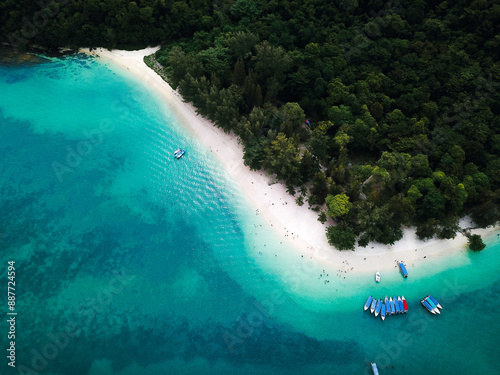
403	270
179	152
434	301
367	303
396	305
382	311
373	305
434	307
393	307
427	306
374	368
401	306
387	306
379	306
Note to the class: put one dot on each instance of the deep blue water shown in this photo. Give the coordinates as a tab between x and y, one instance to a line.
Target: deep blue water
131	262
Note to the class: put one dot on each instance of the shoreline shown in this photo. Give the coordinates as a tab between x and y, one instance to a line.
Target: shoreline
270	198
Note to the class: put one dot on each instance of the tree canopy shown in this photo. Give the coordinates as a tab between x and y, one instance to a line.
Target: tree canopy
475	242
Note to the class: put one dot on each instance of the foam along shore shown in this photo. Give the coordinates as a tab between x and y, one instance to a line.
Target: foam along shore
296	225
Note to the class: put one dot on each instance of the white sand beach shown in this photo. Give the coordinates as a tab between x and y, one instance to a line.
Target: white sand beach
295	224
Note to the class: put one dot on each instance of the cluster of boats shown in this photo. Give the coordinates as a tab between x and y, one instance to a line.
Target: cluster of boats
179	152
396	306
388	306
431	304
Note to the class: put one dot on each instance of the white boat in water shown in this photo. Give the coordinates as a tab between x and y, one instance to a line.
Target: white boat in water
179	152
377	277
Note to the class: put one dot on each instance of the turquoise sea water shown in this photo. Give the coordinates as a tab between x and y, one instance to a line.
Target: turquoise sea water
130	262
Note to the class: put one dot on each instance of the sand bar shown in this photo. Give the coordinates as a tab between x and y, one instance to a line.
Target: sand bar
297	225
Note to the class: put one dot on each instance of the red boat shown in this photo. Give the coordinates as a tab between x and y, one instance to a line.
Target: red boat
405	305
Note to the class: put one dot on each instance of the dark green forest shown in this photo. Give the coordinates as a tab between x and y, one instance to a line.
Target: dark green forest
377	114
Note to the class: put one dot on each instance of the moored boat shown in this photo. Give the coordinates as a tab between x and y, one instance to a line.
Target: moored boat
427	306
434	301
393	308
379	306
396	305
382	311
374	368
405	305
368	302
401	306
434	307
377	277
179	152
387	306
373	305
403	270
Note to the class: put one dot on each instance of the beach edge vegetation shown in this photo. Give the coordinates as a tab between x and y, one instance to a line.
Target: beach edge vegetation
475	242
